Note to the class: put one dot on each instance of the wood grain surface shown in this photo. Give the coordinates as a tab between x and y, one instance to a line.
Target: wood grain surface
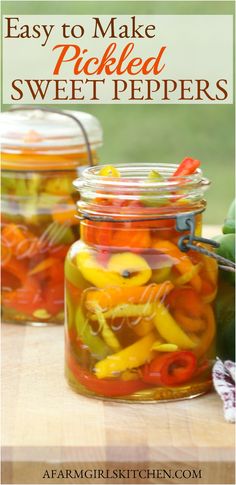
45	424
44	421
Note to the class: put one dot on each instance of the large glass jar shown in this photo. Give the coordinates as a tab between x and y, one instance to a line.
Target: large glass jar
42	153
140	324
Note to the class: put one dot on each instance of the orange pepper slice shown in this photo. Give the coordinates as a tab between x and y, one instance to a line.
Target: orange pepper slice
181	261
65	212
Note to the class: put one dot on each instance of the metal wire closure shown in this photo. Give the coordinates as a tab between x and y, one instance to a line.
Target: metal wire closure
186	242
84	215
184	222
62	113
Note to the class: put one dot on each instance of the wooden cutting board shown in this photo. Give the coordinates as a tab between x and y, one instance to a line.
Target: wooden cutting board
47	426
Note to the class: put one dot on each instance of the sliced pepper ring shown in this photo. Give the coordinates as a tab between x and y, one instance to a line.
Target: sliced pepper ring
170	369
104	387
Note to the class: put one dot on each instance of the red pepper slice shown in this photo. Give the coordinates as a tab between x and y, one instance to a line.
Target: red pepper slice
16	268
10	282
6	254
203	367
53	296
187	167
103	387
104	234
56	273
22	242
170	369
137	240
59	252
187	299
88	232
27	299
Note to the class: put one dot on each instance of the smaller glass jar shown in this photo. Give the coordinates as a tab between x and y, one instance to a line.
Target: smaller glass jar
42	153
140	323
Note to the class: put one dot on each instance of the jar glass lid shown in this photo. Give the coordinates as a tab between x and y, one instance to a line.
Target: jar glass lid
36	129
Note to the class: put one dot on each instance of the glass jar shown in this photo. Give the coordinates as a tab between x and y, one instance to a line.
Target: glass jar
42	153
140	324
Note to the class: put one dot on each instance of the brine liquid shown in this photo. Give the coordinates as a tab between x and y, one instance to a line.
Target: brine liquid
114	295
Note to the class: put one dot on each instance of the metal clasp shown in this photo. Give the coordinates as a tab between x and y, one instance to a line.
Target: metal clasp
186	222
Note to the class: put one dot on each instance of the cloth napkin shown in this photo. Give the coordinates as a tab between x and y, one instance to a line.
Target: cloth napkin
224	377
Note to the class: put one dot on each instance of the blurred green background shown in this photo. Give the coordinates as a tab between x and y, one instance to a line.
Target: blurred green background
160	133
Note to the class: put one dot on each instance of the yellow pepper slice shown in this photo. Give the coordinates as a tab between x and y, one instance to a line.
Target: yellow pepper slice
43	265
58	185
42	314
169	329
187	277
109	171
133	269
107	333
125	269
130	375
95	273
162	347
128	310
133	356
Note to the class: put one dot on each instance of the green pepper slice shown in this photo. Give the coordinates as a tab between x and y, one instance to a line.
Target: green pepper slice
95	344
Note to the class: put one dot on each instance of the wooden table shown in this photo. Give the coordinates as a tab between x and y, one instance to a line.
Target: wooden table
46	426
